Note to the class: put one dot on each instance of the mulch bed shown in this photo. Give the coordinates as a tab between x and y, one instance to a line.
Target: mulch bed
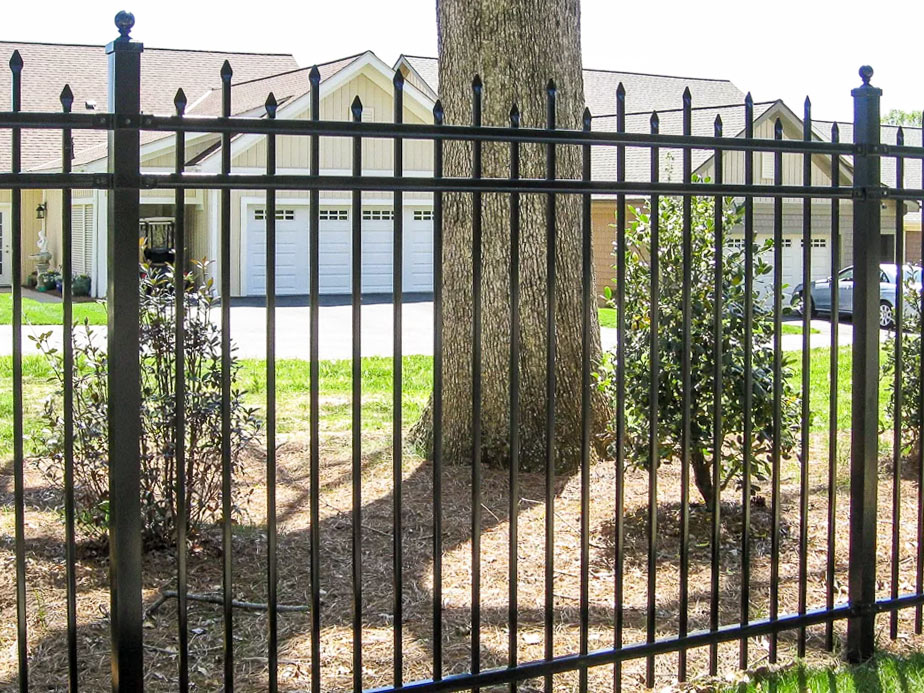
46	575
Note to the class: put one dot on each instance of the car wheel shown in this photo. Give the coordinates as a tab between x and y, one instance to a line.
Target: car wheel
799	302
886	316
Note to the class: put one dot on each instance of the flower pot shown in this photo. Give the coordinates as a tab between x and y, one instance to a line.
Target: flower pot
81	285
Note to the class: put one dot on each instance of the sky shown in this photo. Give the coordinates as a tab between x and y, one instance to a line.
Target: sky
780	49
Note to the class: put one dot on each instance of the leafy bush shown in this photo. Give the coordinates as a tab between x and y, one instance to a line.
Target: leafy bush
670	342
910	373
158	432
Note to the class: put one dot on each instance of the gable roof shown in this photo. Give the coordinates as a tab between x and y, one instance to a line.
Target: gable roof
249	95
644	92
47	67
888	134
670	122
333	76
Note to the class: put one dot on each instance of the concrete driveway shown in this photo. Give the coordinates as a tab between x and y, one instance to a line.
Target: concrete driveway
248	329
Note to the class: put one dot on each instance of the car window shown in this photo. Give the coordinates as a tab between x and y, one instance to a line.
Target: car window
846	275
884	278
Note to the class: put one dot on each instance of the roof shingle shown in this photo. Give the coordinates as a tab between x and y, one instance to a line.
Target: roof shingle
47	67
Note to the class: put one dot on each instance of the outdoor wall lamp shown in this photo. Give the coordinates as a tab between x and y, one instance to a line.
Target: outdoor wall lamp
40	211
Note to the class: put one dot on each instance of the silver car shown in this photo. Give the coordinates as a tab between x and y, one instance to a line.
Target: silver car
820	301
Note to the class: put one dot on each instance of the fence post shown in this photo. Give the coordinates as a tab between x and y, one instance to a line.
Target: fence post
124	368
864	450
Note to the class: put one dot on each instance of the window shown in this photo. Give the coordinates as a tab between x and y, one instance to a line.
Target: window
817	243
736	243
846	275
333	214
787	243
423	215
378	215
766	165
259	214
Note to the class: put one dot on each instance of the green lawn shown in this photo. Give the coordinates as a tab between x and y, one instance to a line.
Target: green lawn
292	391
607	318
796	328
35	313
884	674
292	388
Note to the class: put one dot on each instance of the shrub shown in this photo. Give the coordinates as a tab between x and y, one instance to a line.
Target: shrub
158	431
910	372
670	341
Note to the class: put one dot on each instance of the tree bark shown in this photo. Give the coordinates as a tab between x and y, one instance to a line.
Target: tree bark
516	46
702	477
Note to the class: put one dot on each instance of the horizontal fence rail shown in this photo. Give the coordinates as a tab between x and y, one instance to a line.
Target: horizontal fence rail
773	458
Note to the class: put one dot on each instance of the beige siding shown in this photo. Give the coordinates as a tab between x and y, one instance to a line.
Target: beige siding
733	162
336	152
411	77
167	159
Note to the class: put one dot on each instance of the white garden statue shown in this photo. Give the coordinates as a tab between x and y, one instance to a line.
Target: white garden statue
42	258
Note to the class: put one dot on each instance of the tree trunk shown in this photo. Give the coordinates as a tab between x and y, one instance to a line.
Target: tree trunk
702	477
516	46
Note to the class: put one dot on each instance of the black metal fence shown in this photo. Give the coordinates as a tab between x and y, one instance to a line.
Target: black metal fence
124	123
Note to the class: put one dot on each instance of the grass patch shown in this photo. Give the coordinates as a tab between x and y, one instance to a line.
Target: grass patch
820	386
607	317
36	313
293	392
335	377
883	674
796	328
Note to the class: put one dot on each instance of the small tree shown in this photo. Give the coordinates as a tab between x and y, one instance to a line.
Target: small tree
158	430
910	370
670	340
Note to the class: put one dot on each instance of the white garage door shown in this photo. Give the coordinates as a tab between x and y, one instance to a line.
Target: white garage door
792	262
291	250
418	250
377	248
335	252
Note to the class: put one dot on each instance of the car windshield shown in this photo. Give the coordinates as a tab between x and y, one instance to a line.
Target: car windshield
912	274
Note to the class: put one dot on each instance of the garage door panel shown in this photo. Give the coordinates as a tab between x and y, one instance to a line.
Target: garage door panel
336	252
418	252
291	246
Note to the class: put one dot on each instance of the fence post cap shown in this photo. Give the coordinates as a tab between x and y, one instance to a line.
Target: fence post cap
866	74
124	21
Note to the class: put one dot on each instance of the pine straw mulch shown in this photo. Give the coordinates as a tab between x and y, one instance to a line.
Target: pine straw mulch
46	575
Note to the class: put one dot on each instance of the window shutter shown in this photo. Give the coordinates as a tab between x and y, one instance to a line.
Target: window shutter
82	229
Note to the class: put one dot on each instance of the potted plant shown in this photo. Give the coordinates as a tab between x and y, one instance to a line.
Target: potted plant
47	281
81	285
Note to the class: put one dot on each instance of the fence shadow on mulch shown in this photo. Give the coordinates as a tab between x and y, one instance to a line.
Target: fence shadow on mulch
336	551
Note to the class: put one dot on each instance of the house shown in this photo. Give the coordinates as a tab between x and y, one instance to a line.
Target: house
646	93
49	66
